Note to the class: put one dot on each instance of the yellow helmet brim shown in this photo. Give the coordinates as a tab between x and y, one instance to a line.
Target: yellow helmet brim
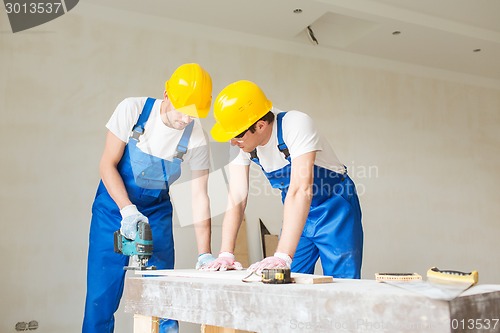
192	111
219	134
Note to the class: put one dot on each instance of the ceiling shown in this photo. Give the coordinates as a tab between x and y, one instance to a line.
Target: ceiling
460	36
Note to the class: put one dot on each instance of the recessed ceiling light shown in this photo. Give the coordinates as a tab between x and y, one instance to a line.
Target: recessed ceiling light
395	33
297	10
476	50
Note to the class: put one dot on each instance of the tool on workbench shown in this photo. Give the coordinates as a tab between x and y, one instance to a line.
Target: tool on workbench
140	248
437	276
382	277
270	276
440	284
276	275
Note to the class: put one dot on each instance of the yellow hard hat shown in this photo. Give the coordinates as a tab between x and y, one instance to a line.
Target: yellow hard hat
237	107
189	89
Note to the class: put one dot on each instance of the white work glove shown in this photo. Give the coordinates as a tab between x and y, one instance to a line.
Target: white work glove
204	259
224	262
130	217
279	260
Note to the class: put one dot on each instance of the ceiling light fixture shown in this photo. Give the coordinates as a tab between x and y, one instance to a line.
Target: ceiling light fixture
297	10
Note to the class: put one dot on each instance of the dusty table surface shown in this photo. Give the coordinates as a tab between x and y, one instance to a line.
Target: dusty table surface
344	305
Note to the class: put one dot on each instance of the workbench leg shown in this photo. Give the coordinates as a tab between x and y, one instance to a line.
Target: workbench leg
217	329
145	324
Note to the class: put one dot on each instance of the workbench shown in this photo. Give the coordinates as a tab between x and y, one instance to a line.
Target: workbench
342	306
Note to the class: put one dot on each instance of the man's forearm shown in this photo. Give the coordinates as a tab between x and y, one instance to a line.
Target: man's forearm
115	186
296	210
113	152
203	233
236	204
230	227
297	203
201	211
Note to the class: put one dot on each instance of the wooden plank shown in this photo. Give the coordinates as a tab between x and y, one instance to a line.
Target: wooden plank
298	278
310	279
270	244
217	329
193	273
145	324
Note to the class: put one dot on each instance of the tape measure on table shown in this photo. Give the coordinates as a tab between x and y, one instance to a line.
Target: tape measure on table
276	276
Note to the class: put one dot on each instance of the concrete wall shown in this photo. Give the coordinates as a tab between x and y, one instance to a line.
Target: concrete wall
422	146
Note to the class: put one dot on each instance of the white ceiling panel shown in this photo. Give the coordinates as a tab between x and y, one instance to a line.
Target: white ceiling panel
439	34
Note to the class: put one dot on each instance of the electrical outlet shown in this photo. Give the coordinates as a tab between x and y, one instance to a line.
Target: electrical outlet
24	326
32	325
21	326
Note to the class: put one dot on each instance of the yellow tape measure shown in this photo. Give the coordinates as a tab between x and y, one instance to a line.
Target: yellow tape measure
276	276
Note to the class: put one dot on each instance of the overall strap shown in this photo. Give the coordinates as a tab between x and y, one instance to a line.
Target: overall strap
182	146
138	128
281	143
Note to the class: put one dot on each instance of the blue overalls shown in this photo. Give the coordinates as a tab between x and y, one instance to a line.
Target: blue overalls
333	230
147	179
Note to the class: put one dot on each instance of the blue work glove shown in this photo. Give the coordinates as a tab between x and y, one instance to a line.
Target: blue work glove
204	259
130	217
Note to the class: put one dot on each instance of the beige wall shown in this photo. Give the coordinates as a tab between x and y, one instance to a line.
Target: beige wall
422	146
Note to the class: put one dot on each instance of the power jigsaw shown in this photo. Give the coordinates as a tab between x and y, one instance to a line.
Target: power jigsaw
140	248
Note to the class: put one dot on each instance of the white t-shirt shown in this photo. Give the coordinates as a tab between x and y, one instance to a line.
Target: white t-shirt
158	139
301	137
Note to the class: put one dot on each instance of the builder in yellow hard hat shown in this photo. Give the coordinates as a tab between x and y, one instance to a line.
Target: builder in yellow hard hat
146	142
322	216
